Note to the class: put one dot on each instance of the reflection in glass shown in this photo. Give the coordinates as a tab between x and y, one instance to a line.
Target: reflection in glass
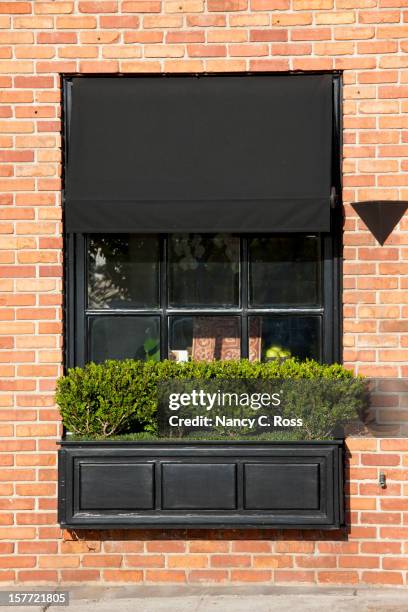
279	337
123	271
204	338
284	271
124	338
203	270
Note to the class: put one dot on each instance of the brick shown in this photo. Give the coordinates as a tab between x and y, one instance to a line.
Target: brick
113	22
37	547
79	546
56	38
217	65
297	576
395	444
230	560
212	546
148	561
184	6
166	50
76	23
94	38
188	561
208	576
358	561
311	34
85	575
382	577
392	32
158	575
307	5
37	576
174	21
100	7
337	577
227	5
250	575
377	47
381	548
101	560
119	546
37	518
269	64
294	547
272	561
357	33
378	459
51	8
249	50
166	546
142	6
395	563
267	35
379	16
17	561
34	23
338	547
206	50
290	49
15	8
335	18
17	533
78	52
58	561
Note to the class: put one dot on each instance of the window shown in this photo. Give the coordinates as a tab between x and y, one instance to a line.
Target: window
201	296
259	275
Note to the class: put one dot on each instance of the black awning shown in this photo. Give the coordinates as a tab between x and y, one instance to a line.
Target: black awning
210	153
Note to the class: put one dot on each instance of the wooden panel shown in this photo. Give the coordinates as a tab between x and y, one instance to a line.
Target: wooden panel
116	486
176	485
199	486
282	486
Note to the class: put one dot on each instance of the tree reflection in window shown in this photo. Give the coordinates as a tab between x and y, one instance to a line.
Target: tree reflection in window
204	270
291	265
123	271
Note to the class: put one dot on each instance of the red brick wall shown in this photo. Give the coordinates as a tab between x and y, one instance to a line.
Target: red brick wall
368	40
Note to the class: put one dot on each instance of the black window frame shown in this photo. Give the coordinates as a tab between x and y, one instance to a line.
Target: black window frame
75	283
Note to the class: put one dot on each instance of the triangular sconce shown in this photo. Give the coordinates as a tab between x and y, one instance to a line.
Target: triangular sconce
381	216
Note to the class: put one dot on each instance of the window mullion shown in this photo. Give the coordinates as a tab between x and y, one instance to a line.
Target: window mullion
244	279
164	345
81	323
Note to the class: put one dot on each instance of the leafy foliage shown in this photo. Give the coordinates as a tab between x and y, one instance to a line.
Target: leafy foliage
120	397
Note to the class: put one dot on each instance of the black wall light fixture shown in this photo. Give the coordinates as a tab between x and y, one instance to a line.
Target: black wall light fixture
381	216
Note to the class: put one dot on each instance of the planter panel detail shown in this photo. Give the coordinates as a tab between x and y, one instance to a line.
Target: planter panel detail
129	484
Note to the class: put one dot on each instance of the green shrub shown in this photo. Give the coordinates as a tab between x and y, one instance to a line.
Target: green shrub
120	397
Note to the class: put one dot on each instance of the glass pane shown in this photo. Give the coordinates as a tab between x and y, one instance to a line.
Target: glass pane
124	338
284	271
123	271
204	338
274	337
203	270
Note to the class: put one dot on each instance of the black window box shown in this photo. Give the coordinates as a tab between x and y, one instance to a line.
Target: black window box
201	484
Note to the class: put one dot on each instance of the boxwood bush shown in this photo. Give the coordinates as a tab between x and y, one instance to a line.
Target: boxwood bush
119	398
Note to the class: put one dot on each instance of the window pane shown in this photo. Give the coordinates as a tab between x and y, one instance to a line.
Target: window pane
204	338
203	270
123	271
284	336
124	338
284	271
